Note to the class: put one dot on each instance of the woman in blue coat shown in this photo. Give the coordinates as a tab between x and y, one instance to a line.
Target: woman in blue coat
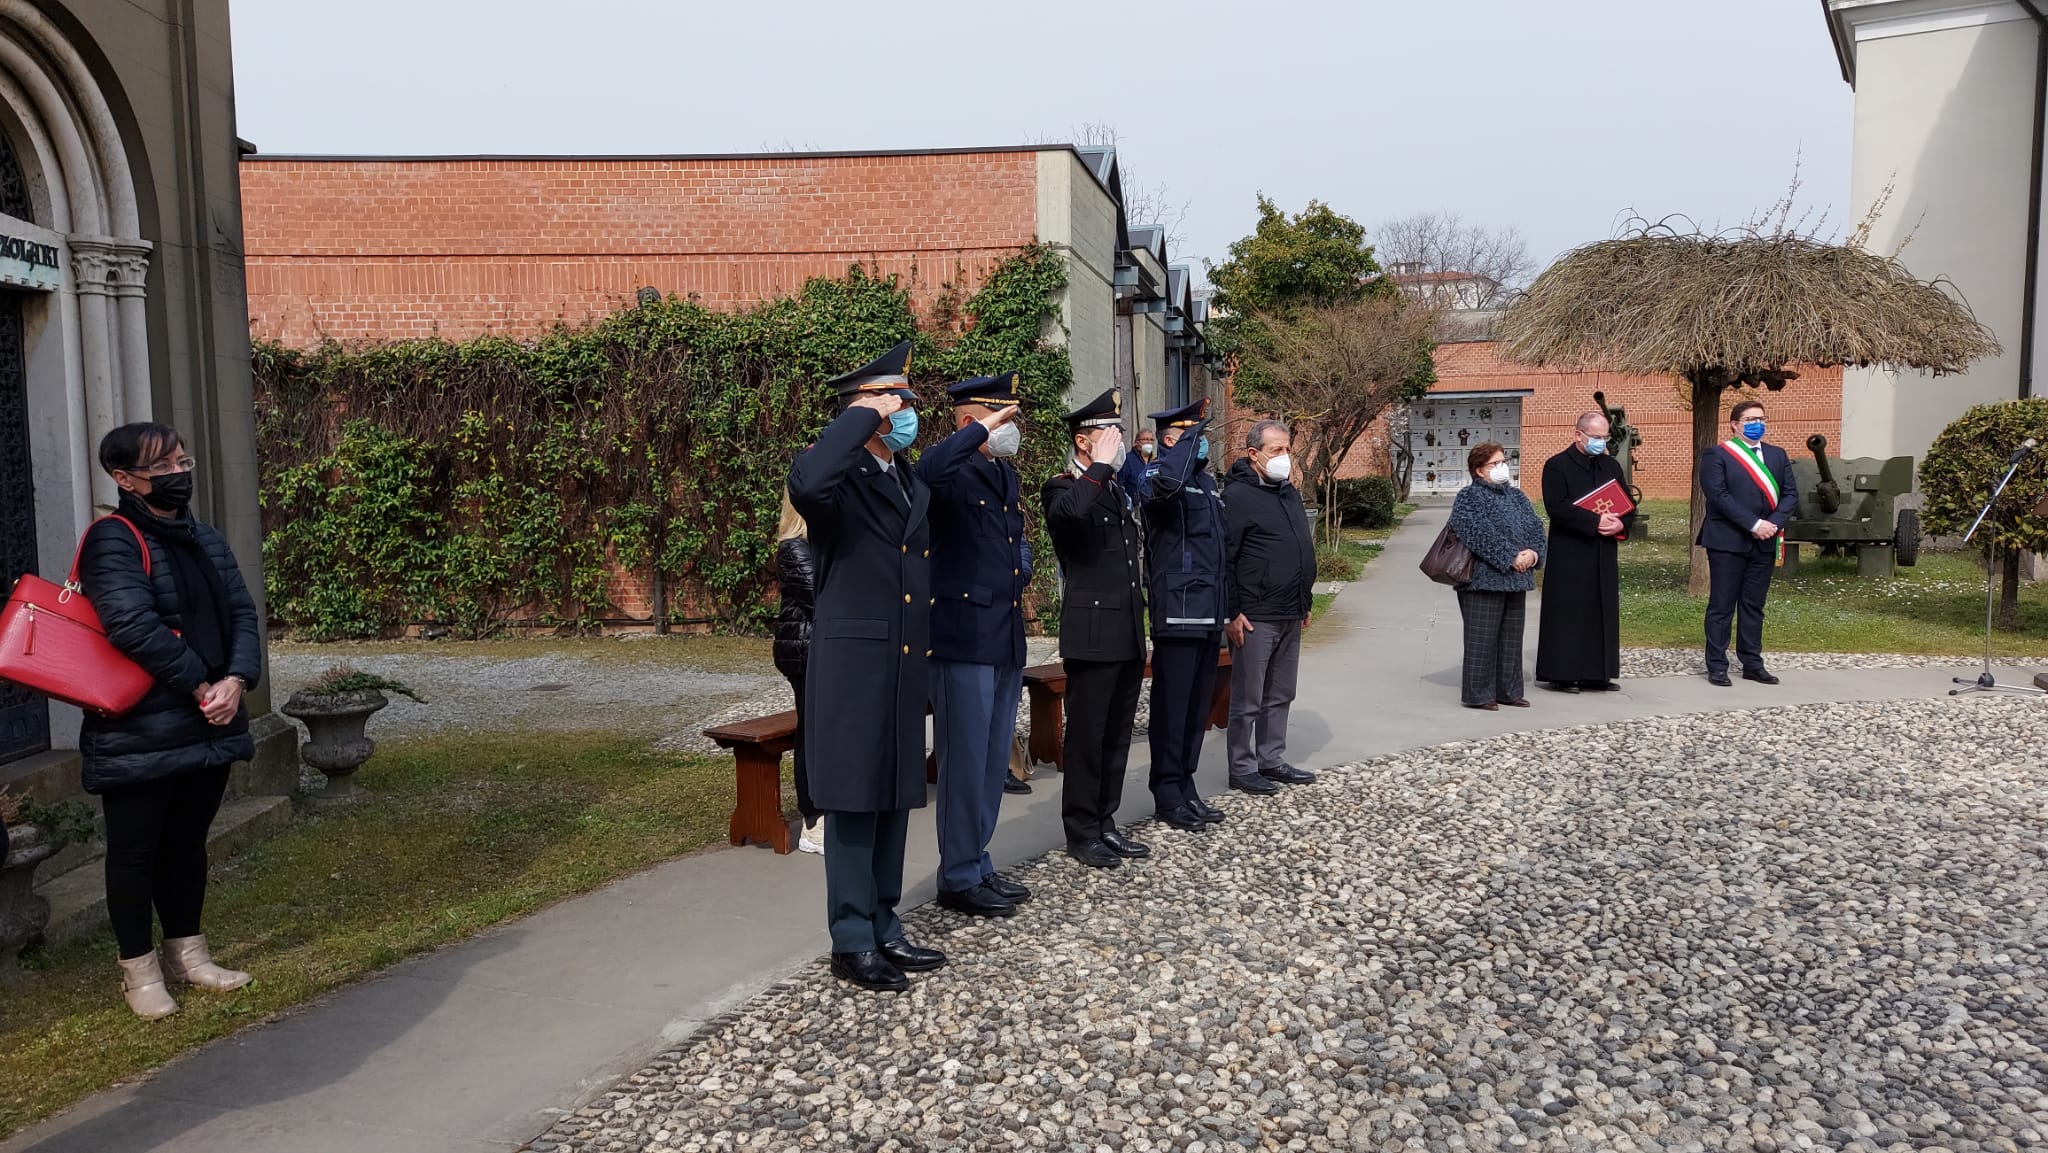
1493	518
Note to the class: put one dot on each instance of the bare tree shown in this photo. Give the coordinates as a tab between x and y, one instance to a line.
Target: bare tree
1143	203
1442	242
1335	369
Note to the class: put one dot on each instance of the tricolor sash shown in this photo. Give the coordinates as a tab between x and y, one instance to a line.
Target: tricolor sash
1752	462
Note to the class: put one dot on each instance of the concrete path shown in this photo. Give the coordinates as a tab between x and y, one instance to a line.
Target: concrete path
481	1045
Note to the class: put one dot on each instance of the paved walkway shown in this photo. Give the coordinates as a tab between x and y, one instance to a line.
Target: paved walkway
482	1045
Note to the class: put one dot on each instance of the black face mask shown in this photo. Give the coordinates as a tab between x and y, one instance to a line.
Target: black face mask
171	492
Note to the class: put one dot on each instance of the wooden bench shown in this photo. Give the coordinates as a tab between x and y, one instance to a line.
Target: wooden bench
757	746
1046	687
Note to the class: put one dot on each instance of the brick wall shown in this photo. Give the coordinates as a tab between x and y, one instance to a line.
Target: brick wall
382	249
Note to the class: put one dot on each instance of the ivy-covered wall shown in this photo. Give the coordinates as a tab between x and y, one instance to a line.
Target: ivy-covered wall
495	481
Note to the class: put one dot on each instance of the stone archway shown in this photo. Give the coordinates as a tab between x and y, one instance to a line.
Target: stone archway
74	273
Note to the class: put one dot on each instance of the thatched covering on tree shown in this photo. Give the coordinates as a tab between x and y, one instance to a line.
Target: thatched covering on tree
1736	309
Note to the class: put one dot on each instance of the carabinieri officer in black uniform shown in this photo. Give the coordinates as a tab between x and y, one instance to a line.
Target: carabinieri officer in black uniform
867	682
1184	566
978	579
1102	629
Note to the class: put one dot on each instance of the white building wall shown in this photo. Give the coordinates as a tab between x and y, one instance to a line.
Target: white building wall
1944	115
1075	214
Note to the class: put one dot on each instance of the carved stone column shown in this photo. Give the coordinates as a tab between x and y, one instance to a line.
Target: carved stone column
129	268
92	273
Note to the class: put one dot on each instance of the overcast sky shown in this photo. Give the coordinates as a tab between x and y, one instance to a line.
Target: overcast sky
1554	118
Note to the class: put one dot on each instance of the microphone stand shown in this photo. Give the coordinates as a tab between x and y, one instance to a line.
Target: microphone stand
1984	682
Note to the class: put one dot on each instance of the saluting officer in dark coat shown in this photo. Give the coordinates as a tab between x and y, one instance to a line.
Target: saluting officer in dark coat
978	579
867	682
1184	538
1094	532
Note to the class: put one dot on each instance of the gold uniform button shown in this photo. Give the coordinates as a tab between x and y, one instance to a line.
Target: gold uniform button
982	502
1016	572
927	652
906	650
906	548
935	600
906	598
927	552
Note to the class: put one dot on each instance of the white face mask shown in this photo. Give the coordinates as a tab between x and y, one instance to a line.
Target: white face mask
1278	468
1498	474
1004	441
1116	463
1146	449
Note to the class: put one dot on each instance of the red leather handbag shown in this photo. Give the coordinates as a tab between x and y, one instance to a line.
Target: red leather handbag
51	641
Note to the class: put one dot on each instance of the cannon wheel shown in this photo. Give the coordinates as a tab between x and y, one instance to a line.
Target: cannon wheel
1907	542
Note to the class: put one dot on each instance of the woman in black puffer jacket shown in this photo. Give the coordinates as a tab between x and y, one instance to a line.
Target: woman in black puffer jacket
797	575
160	770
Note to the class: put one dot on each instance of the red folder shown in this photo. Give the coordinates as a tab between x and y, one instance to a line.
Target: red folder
1609	497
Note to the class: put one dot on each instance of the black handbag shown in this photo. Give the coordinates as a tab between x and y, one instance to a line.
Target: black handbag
1448	561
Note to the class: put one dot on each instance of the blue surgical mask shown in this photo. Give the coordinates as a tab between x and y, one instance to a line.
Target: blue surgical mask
1753	429
1595	445
1202	449
902	430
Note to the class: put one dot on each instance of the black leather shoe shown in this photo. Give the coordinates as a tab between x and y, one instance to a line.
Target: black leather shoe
1561	686
1760	676
1600	686
1183	818
912	958
1015	786
980	901
1094	854
1205	810
1123	846
870	970
1006	888
1255	785
1289	775
1720	680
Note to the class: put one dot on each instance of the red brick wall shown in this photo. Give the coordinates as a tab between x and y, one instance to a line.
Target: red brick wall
1663	462
383	249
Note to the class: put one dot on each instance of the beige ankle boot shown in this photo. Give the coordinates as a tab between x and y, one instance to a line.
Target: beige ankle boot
186	959
142	982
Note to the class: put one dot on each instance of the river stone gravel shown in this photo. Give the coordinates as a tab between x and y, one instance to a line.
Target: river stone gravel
1690	662
1806	928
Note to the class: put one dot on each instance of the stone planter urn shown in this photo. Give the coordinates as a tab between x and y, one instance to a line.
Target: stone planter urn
23	914
336	744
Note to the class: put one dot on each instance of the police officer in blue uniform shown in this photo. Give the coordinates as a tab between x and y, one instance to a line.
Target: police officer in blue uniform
867	682
1184	538
979	573
1102	629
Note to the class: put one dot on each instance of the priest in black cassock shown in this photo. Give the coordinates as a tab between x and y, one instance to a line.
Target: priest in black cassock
1578	636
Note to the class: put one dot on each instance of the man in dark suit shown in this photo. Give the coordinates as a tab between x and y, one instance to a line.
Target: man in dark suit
1102	629
867	683
1184	537
1750	494
978	579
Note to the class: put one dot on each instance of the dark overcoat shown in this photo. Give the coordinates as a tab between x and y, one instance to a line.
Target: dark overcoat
165	734
1735	501
978	570
1578	635
1184	539
1095	535
867	683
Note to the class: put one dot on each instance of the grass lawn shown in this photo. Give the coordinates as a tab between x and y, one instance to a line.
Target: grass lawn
1936	606
464	832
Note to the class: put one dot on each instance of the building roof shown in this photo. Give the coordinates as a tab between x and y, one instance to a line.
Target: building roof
1906	17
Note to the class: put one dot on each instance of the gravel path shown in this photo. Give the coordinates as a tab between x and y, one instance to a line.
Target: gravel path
1713	932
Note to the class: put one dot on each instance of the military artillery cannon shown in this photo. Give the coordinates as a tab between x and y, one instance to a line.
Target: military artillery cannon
1622	441
1851	507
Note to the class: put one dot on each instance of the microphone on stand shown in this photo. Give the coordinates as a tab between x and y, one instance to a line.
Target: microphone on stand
2026	447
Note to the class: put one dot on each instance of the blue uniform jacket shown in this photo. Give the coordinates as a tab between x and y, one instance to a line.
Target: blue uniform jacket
1184	539
979	569
1735	502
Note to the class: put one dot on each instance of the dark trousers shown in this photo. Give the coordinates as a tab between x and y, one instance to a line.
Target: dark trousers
1493	645
1102	705
1741	581
1263	671
864	878
156	855
803	779
1183	679
974	720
